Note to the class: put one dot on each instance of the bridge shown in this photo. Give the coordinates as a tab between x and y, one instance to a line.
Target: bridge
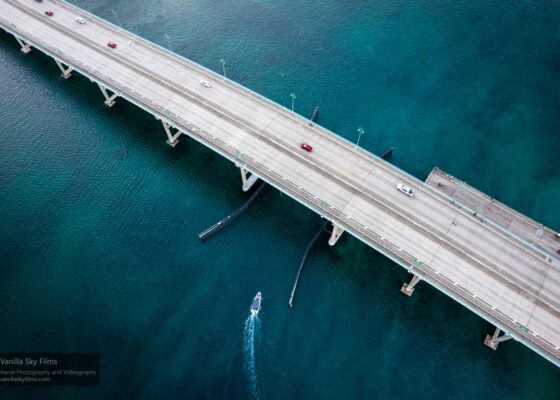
497	263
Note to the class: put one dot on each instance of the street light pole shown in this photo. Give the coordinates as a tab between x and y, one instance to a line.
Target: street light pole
168	42
116	17
360	133
223	67
293	96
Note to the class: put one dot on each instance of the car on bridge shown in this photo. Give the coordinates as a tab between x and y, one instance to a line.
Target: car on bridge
306	147
80	20
112	45
405	189
206	83
49	13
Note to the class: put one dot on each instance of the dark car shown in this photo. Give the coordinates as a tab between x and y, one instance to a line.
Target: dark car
49	13
112	45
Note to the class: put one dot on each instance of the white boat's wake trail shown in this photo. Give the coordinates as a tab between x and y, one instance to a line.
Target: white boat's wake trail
251	330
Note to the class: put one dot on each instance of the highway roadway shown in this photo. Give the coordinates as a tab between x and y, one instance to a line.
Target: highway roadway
500	277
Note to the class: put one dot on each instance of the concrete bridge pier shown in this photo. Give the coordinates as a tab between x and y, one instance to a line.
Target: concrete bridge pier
335	235
248	182
109	99
494	340
171	137
66	71
25	48
408	288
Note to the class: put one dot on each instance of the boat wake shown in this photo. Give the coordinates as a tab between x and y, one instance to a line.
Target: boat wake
252	325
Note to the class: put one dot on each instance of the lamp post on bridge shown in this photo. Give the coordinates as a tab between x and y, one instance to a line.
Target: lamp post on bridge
116	17
293	96
223	67
360	133
168	42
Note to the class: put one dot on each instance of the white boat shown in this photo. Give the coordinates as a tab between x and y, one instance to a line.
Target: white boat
256	305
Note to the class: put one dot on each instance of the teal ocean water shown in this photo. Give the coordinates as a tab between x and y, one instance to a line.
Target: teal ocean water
99	217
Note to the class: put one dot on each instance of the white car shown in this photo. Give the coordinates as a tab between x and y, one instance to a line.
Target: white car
80	20
405	189
206	83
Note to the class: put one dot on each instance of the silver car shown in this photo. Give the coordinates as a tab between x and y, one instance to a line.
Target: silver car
405	189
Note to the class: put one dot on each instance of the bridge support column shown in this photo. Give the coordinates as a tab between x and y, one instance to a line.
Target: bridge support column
408	288
109	99
66	71
171	137
335	235
248	182
25	48
494	340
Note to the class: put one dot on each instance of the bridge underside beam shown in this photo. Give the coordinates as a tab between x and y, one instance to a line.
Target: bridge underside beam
248	182
25	48
335	235
494	340
172	138
408	288
109	99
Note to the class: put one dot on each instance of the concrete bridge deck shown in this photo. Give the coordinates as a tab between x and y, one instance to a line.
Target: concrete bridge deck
488	207
495	273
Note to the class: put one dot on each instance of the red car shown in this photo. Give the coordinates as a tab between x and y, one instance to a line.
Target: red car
112	45
306	147
49	13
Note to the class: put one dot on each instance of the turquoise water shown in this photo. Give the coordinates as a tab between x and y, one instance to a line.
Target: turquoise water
99	247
